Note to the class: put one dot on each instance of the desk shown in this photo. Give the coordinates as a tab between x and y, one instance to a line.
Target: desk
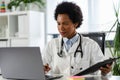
97	78
87	78
104	78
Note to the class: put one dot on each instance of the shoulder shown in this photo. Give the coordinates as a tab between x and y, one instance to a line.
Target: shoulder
88	40
90	43
54	41
51	46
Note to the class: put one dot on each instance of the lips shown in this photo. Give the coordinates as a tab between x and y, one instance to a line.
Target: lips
62	33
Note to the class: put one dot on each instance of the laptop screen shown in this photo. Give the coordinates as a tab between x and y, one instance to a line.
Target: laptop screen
21	63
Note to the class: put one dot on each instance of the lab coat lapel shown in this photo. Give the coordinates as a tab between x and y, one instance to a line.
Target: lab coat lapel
65	53
74	47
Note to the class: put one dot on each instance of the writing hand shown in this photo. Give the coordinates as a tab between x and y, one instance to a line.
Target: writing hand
46	68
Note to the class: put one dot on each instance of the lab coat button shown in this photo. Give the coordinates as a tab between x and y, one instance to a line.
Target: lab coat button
80	68
72	67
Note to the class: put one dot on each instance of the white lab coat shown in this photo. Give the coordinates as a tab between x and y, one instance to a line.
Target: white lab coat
70	65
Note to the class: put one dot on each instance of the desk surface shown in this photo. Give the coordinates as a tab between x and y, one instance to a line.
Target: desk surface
104	78
88	78
97	78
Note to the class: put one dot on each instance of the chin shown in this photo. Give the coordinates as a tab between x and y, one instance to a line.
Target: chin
63	35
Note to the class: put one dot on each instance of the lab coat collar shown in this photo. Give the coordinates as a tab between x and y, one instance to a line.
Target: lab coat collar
72	49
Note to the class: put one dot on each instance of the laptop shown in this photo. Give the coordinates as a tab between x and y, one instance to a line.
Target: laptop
22	63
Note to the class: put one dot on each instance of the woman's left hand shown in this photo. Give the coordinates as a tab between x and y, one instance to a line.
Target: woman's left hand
106	70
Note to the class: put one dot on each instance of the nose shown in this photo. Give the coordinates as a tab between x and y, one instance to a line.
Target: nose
61	27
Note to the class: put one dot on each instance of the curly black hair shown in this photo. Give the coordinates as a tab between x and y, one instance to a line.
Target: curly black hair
72	10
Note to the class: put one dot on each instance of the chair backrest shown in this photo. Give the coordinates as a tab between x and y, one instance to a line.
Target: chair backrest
98	37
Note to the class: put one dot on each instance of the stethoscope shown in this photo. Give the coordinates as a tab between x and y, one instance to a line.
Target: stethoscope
60	54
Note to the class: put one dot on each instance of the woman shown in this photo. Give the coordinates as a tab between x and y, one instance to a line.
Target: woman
71	53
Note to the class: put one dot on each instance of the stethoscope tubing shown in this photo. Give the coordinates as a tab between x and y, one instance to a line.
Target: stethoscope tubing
60	54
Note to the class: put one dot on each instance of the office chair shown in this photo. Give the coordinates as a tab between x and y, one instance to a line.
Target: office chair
98	37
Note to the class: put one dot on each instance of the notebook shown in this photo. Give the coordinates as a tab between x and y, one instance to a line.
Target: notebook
22	63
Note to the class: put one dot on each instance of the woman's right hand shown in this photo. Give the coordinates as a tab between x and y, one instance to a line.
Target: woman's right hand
46	68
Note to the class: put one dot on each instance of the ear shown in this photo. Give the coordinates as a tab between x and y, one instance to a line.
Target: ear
76	24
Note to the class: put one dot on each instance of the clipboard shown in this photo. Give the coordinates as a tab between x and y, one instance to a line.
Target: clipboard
97	66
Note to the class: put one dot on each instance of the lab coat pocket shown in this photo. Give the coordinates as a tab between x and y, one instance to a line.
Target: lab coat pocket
84	65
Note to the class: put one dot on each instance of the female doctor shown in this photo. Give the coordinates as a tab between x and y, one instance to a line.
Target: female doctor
71	53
